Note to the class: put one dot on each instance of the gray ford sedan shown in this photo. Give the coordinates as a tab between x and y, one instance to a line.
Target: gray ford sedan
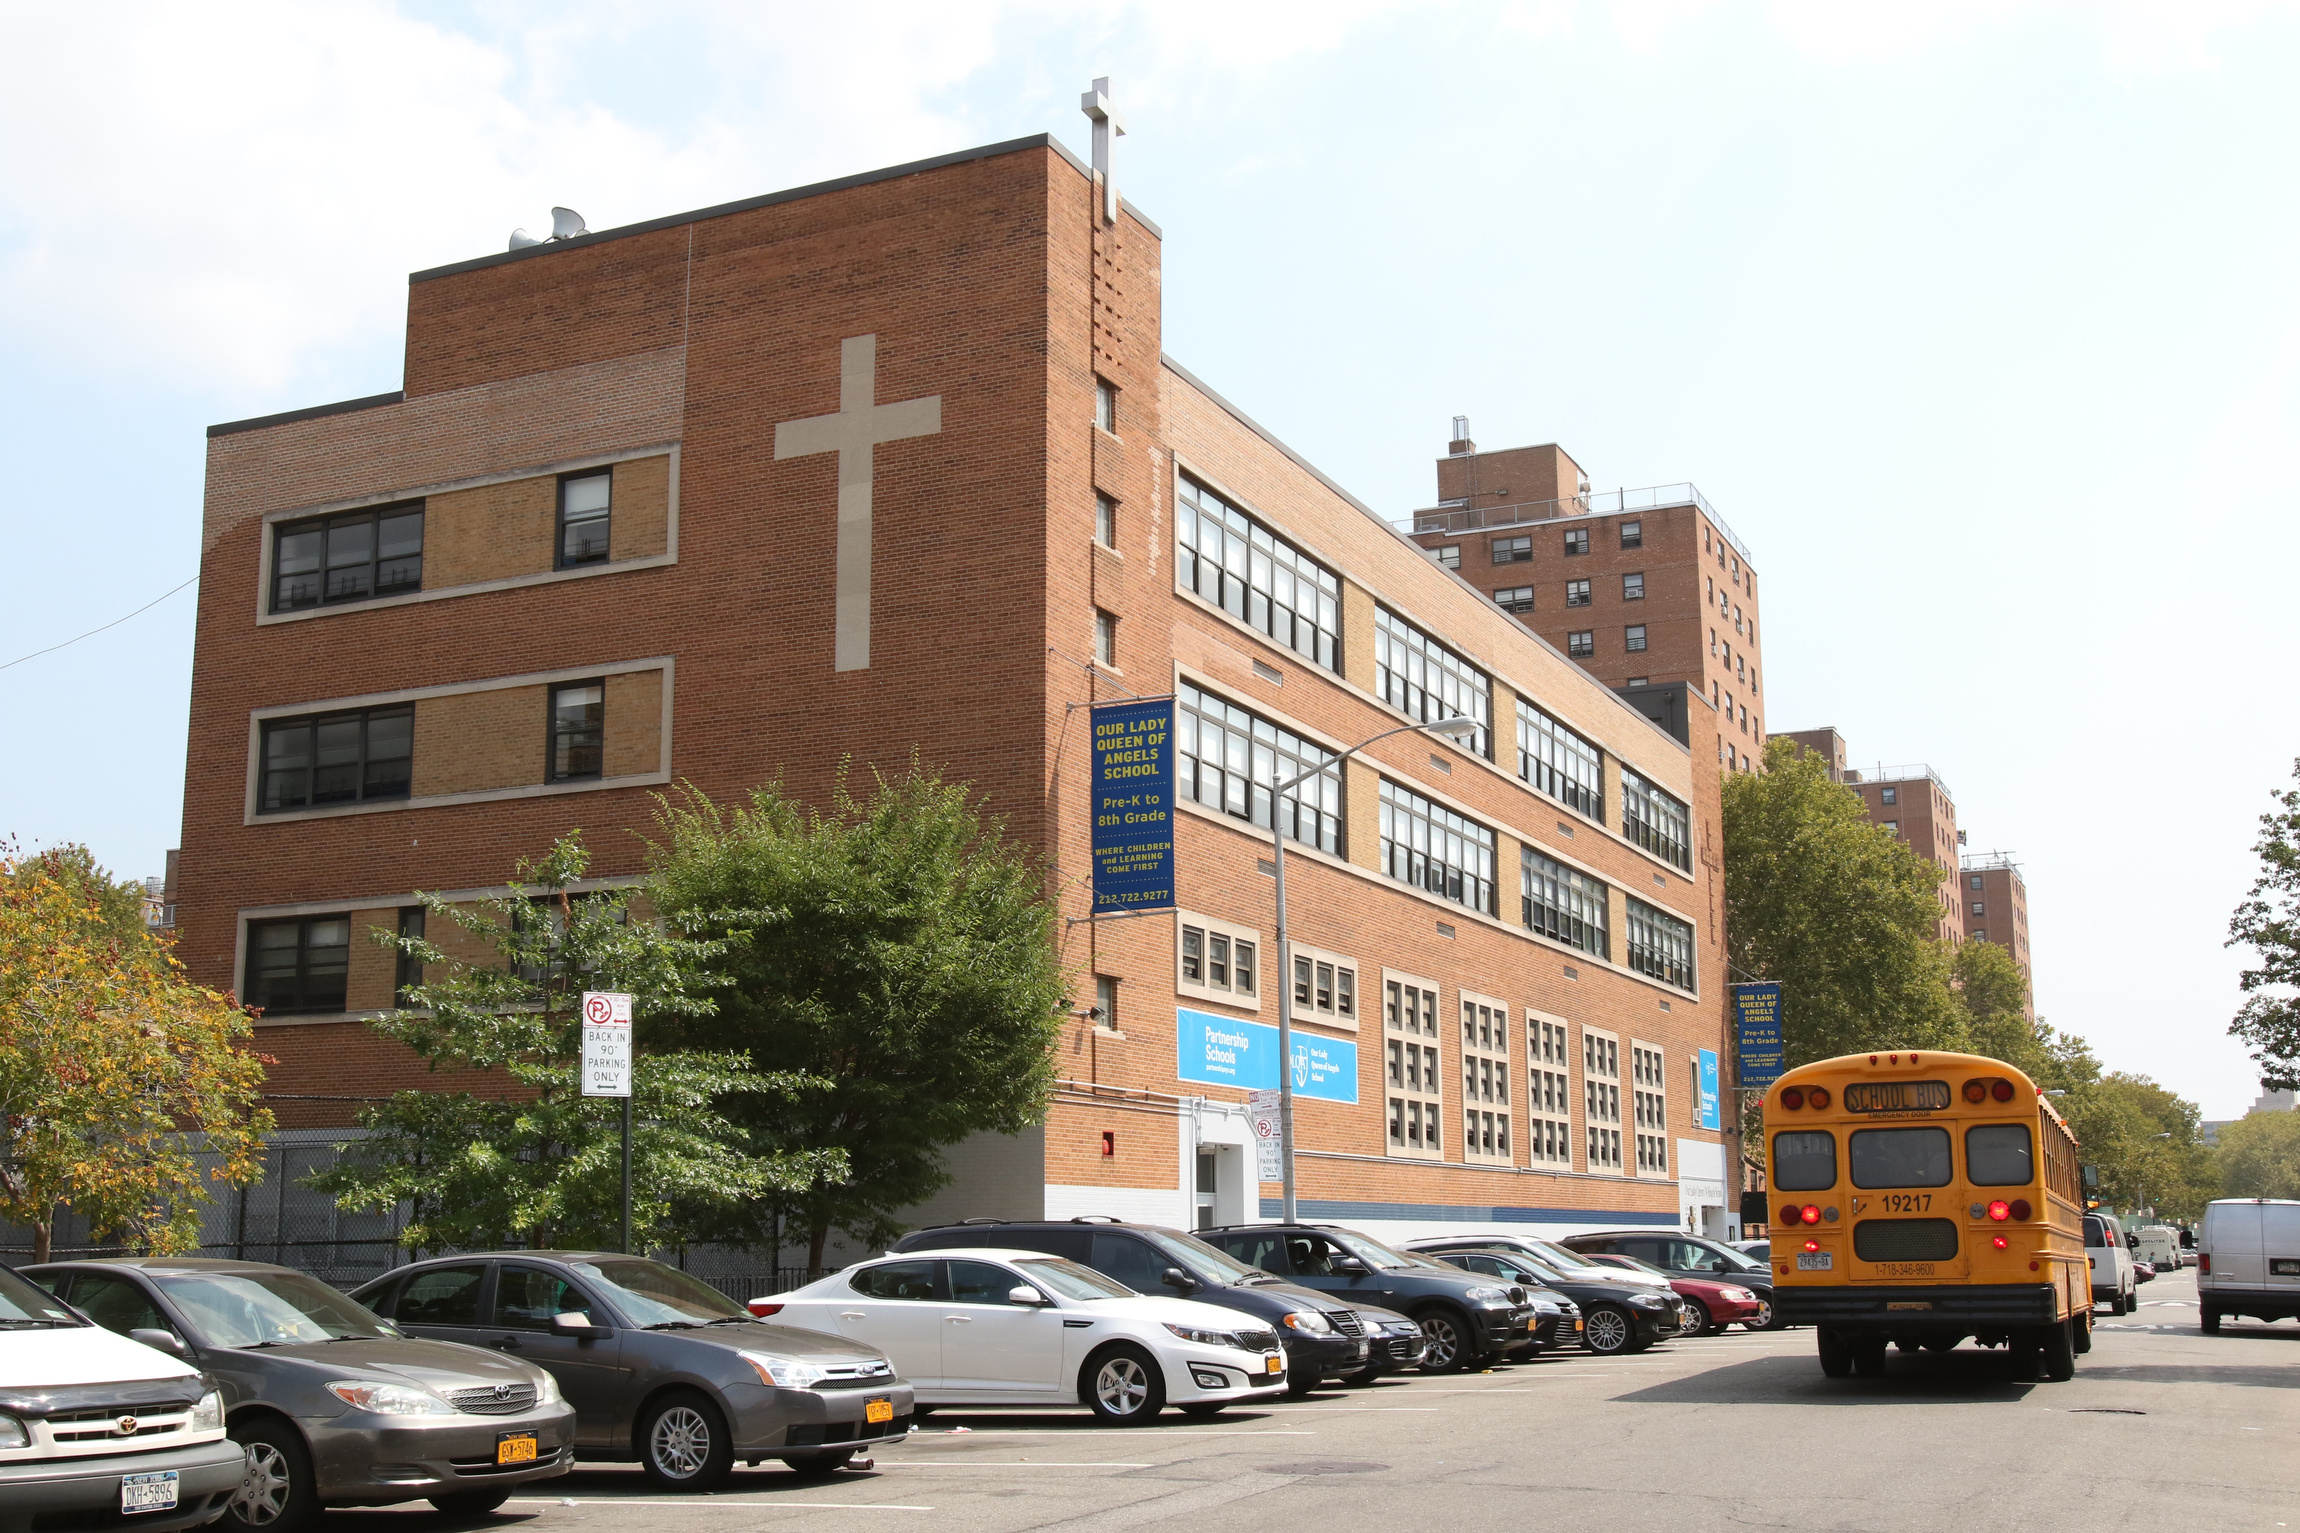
332	1406
660	1366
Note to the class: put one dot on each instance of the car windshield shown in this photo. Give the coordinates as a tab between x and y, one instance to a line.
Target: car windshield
24	1306
267	1309
1372	1252
1562	1259
1614	1259
651	1294
1194	1255
1068	1280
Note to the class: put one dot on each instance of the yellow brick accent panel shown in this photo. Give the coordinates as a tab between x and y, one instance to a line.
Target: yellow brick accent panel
476	740
1362	812
373	968
1357	637
642	509
1505	727
489	533
634	723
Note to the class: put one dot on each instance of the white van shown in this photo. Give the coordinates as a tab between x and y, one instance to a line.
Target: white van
2113	1280
2156	1245
2248	1260
100	1430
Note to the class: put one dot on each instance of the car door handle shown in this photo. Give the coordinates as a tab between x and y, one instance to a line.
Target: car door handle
959	1319
508	1344
850	1314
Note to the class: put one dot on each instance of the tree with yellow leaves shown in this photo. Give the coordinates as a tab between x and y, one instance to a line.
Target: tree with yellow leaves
117	1074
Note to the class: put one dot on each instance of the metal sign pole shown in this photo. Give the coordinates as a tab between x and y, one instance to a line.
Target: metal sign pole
627	1175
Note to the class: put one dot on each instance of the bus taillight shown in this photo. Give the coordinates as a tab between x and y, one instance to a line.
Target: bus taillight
2000	1210
1812	1245
2001	1090
1788	1213
1976	1091
1793	1098
1809	1214
2020	1209
2000	1242
1817	1097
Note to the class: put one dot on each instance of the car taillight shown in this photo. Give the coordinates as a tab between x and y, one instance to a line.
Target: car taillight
2021	1209
1809	1214
765	1307
1788	1213
2001	1090
1976	1091
2000	1210
1793	1098
2204	1264
1817	1098
2000	1242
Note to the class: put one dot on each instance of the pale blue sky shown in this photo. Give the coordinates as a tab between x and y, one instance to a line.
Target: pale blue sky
1975	321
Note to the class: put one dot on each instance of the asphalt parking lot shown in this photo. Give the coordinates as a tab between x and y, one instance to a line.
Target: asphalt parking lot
2162	1425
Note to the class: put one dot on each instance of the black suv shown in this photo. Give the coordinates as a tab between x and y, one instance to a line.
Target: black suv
1690	1256
1615	1317
1322	1339
1467	1320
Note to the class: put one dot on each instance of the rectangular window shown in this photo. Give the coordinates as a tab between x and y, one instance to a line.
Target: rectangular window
1633	587
1649	1104
1632	534
1449	556
1485	1080
1106	639
1512	550
298	966
1548	1092
1582	644
1660	945
1562	904
1424	680
354	557
407	973
586	507
336	758
1577	540
1805	1161
1229	759
578	730
1250	572
1559	762
1218	960
1514	599
1414	1078
1890	795
1657	821
1577	593
1973	881
1977	908
1900	1157
1894	826
1999	1155
1106	406
1325	987
1431	847
1601	1099
1106	1002
1105	521
1633	638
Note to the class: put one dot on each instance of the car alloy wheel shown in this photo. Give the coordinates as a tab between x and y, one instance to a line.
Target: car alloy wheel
264	1486
1606	1330
1696	1321
1448	1347
1763	1319
680	1444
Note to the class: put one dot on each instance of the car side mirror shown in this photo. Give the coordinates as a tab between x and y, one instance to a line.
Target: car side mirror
1023	1293
166	1341
578	1325
1349	1266
1175	1278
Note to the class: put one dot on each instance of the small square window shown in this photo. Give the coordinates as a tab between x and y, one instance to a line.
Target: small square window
1106	406
1639	681
1582	643
1105	521
1894	826
1512	550
1633	587
1106	639
1636	638
1449	556
1514	599
586	504
1980	907
1632	534
1889	795
1577	593
1577	540
1974	881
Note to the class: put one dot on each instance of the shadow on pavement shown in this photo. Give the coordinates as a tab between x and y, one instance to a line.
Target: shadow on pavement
1967	1375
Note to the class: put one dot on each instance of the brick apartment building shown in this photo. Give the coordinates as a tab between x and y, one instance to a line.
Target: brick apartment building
896	463
1914	803
1996	909
1647	589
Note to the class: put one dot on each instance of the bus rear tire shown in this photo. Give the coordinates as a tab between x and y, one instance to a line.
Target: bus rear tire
1869	1357
2083	1324
2057	1349
1836	1357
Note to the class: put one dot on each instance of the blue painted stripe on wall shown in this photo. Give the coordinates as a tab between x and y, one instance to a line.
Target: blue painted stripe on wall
1464	1213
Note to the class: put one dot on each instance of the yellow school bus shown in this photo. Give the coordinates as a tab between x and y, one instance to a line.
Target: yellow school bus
1924	1199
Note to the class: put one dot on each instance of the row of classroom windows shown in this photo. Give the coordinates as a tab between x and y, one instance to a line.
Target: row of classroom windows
359	754
1240	565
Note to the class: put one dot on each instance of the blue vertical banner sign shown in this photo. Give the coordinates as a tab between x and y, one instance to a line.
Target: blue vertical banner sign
1705	1087
1757	1021
1133	805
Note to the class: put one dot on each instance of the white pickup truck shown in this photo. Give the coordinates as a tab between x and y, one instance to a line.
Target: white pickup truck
100	1431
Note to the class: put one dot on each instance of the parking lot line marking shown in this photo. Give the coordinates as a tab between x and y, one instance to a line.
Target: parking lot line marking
1016	1464
1157	1437
700	1503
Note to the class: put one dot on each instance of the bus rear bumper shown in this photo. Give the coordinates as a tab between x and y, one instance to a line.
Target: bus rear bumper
1962	1307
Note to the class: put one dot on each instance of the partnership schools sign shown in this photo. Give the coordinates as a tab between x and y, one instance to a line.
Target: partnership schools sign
1225	1051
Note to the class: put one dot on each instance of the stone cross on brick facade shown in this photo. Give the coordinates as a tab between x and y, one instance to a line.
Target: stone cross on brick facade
1108	128
860	425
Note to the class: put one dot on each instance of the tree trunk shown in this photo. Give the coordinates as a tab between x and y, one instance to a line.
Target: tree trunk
42	1234
815	1238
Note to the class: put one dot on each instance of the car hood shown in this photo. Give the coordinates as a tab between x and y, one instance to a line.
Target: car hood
1596	1293
80	1354
1296	1295
434	1365
1158	1311
782	1340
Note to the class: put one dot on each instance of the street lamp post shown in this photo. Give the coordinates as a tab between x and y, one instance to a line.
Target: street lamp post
1456	727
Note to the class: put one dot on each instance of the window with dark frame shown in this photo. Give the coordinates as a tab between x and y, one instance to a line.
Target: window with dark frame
1424	680
1106	638
1549	1092
586	506
1633	586
298	965
1106	406
1563	904
1241	566
1515	599
578	730
1430	847
1229	759
336	758
1448	556
1576	540
1577	593
1416	1085
1581	645
1559	762
407	971
1106	1002
1660	945
353	556
1660	822
1632	534
1105	521
1633	638
1889	795
1512	550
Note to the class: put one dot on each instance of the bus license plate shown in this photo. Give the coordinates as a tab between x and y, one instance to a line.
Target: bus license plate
148	1492
879	1411
515	1448
1816	1261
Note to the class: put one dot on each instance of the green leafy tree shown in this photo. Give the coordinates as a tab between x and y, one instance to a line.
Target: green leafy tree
2144	1141
529	1158
1841	912
2260	1156
2268	921
910	961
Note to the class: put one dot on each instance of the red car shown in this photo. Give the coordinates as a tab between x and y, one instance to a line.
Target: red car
1710	1304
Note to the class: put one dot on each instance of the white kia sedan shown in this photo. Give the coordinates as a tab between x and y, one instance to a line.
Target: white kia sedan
998	1327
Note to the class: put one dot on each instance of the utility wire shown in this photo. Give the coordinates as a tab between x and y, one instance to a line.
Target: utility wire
91	633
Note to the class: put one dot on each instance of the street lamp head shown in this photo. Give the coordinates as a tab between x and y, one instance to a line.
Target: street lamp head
1456	727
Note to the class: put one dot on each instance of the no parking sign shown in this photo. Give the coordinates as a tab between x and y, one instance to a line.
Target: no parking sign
606	1043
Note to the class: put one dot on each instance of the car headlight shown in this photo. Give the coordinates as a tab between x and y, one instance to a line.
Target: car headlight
1544	1307
547	1392
1650	1301
207	1416
1204	1338
13	1435
389	1399
1310	1323
784	1372
1485	1293
1740	1295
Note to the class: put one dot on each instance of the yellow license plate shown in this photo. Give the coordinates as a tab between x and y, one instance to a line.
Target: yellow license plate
515	1448
878	1411
1273	1365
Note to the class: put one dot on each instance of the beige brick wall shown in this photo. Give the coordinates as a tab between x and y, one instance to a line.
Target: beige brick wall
634	722
1357	637
368	986
489	533
477	740
642	504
